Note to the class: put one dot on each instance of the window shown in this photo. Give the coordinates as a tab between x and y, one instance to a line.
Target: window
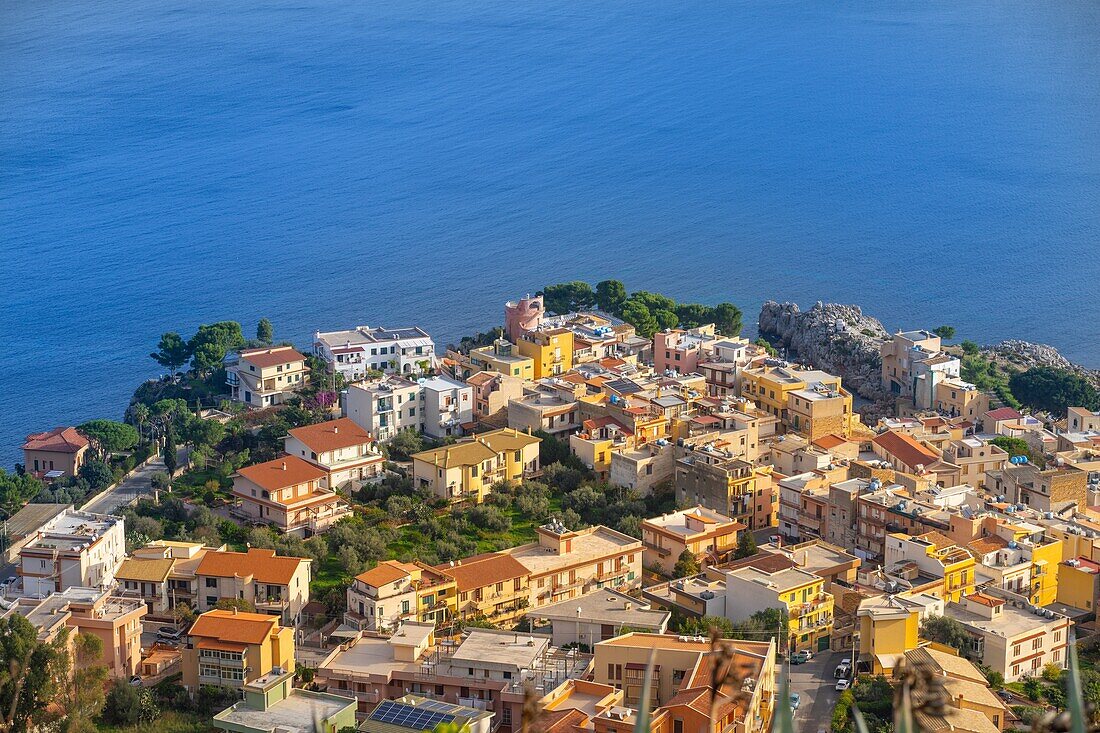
211	582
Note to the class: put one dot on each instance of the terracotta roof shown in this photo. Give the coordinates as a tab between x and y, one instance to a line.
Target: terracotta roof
282	473
985	600
58	440
1003	413
332	435
905	449
483	571
561	721
830	441
263	565
387	571
227	626
705	420
481	378
603	421
941	541
272	356
148	571
989	544
223	646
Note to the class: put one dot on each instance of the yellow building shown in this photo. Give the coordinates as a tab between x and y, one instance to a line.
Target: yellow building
935	556
1079	583
551	351
1020	559
889	626
800	593
504	357
231	648
466	470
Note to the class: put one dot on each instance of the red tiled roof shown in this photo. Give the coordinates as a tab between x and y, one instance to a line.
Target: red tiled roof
705	420
830	441
227	626
604	420
263	565
282	472
332	435
1003	413
485	570
905	449
272	356
58	440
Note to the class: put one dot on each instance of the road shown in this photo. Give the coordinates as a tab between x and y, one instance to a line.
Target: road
129	489
814	681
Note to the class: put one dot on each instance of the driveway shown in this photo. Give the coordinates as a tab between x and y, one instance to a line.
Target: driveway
130	489
814	681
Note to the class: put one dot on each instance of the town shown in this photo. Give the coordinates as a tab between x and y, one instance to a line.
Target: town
611	513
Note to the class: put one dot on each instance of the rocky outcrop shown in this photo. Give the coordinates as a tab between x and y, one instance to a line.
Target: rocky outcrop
837	338
1025	355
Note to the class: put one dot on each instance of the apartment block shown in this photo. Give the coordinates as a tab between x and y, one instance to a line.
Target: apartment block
681	350
233	649
383	407
730	486
913	365
74	549
467	470
393	592
356	352
273	703
503	357
935	556
277	585
707	534
289	493
448	407
551	350
492	391
800	593
975	457
265	377
599	615
346	452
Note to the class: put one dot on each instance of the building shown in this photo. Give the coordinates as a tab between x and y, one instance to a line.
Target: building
523	315
24	525
937	557
1010	637
114	621
411	713
289	493
683	678
274	584
233	649
467	470
346	452
1082	420
913	365
889	626
265	377
1079	583
147	579
972	708
731	486
770	385
804	506
679	350
1021	559
492	392
800	593
503	357
141	573
392	592
54	453
597	616
383	407
958	398
74	549
546	408
357	352
550	350
487	669
974	457
494	586
1044	490
708	535
447	406
820	410
272	704
905	453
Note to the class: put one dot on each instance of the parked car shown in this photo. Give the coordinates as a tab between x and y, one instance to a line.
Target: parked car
844	669
799	658
843	684
169	635
796	700
135	681
1005	695
9	580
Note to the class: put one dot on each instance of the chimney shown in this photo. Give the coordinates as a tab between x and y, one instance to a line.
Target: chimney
335	429
627	606
234	610
284	465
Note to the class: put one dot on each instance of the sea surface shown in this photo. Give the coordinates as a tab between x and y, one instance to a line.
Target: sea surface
395	162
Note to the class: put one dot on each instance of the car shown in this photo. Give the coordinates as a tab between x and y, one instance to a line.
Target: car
796	700
1005	695
799	658
809	654
843	684
169	635
9	580
844	669
135	681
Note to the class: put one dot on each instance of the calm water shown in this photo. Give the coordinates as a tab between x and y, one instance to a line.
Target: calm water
390	162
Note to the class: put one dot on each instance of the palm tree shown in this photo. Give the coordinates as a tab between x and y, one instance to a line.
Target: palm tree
139	415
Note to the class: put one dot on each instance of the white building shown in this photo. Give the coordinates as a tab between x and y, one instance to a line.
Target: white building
448	404
73	549
385	406
356	351
341	447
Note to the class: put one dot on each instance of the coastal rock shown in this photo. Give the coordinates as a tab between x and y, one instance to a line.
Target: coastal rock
1025	355
837	338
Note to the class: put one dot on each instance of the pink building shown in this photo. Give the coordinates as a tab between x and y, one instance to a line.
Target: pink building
681	351
522	316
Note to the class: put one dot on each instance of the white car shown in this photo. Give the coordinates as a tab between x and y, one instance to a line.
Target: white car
843	684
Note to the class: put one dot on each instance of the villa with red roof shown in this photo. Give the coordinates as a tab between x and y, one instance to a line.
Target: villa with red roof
289	493
345	451
267	376
55	453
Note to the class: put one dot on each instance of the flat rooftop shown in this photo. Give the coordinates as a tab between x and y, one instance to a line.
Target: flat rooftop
295	713
504	648
1011	622
676	522
589	545
605	607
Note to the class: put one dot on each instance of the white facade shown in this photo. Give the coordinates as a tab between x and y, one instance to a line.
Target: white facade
356	351
74	549
384	407
448	404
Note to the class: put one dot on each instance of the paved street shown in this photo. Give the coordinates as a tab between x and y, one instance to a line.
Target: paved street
814	681
137	485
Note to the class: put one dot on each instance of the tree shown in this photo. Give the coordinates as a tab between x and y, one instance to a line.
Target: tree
30	673
1033	688
235	604
841	711
108	436
1053	390
945	630
168	454
265	332
123	705
638	315
666	319
763	343
138	414
703	625
16	489
746	545
406	442
98	475
727	319
83	695
568	297
1018	447
945	332
610	296
160	481
172	352
686	565
212	342
970	348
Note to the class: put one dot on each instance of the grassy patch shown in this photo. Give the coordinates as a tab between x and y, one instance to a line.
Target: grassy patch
169	721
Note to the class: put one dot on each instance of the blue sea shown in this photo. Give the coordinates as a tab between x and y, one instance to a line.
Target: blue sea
324	164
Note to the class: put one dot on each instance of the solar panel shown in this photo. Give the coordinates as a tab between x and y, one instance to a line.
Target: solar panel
414	717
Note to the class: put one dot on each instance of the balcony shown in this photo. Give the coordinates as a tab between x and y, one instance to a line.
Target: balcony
232	379
272	603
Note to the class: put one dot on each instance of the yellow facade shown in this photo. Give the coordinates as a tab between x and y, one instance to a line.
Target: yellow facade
809	614
1045	573
551	351
467	470
1078	584
503	357
887	636
958	577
